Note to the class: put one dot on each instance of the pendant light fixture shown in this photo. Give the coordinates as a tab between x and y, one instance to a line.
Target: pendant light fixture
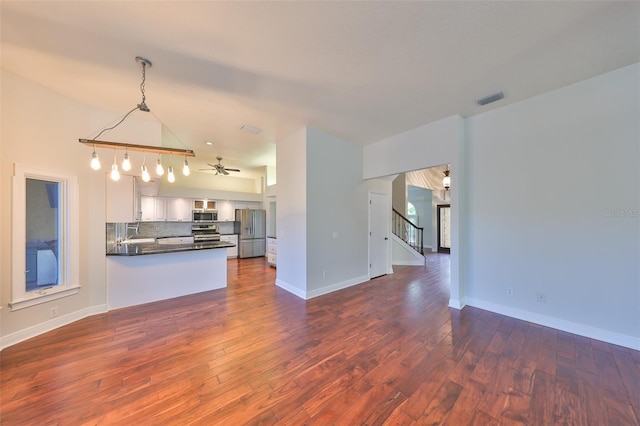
446	180
145	172
126	163
170	176
159	168
115	174
95	160
185	168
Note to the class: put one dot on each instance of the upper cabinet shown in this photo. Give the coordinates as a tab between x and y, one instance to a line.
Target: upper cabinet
122	203
153	209
204	204
179	209
225	211
246	205
170	209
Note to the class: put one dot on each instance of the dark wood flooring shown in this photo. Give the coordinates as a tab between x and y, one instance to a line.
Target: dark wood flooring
388	351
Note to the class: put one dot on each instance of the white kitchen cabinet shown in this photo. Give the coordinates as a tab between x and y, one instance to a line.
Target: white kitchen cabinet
226	211
272	251
245	205
161	208
153	208
121	203
233	239
178	209
148	208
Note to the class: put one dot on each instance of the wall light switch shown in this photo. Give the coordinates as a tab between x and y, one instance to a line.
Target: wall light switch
335	235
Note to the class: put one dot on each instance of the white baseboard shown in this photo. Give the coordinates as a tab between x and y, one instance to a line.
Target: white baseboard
409	262
337	286
320	291
52	324
456	304
291	289
559	324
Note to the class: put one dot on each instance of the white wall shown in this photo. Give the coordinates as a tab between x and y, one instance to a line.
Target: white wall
321	193
41	129
291	220
399	196
337	203
545	175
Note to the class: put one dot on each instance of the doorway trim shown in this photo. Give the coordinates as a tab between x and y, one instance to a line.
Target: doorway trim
439	208
386	233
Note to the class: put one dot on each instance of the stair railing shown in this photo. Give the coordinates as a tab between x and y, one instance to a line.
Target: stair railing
411	234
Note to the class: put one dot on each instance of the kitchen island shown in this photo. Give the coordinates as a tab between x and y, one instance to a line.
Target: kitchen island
148	272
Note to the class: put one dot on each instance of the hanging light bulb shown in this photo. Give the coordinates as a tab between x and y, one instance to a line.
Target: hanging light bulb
159	168
145	171
170	176
126	163
95	160
115	174
185	168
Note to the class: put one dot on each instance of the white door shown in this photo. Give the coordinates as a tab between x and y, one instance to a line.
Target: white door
378	235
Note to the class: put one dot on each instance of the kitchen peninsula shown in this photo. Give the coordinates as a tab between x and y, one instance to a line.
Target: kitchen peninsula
150	271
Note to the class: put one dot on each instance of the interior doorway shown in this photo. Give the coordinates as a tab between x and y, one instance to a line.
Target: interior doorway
379	221
444	228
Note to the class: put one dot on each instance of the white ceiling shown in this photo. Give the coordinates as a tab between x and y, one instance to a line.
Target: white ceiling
361	71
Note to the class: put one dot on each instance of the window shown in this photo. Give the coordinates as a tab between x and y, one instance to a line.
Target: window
45	237
412	214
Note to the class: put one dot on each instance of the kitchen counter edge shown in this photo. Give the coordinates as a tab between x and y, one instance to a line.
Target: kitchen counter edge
155	248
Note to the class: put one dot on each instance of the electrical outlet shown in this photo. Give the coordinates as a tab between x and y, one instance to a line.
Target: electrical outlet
509	291
54	312
541	298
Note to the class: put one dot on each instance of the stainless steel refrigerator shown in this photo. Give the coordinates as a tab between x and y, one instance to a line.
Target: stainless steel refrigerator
252	227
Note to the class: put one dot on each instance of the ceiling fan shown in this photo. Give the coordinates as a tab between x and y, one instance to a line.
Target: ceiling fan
220	169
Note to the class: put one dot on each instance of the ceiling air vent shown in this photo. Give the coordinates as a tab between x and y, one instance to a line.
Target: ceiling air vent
491	98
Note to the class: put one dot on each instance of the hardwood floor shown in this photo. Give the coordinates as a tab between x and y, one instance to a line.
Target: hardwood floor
388	351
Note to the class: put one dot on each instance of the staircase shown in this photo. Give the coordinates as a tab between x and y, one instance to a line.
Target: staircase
411	234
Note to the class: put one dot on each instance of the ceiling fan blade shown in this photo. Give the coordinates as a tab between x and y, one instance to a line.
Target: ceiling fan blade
224	172
212	165
232	170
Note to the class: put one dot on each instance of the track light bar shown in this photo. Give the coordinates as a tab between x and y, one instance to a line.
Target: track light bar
134	147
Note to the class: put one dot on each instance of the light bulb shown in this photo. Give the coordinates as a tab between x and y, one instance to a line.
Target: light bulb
159	168
185	168
170	176
95	161
115	174
126	163
145	173
446	182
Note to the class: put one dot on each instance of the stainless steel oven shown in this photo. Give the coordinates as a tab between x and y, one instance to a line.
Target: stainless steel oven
205	233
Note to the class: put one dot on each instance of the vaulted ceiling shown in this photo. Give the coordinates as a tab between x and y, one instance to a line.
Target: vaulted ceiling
361	71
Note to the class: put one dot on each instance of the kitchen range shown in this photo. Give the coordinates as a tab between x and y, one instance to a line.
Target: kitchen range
205	233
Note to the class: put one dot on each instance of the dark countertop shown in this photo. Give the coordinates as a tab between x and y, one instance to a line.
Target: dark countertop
155	248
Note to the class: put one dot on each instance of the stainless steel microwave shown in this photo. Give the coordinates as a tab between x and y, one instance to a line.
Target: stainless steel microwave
204	216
